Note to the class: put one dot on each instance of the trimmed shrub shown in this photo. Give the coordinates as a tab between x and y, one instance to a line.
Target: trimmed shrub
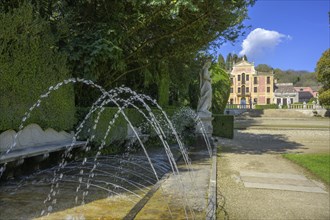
118	132
221	89
223	126
29	64
270	106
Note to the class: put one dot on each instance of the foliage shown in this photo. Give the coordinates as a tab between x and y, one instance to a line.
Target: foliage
123	42
310	101
29	63
163	84
221	88
263	68
118	131
298	78
223	126
184	122
324	98
229	62
221	62
323	69
318	164
184	83
269	106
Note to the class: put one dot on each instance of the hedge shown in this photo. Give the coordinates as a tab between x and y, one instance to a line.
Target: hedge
269	106
223	126
118	131
29	64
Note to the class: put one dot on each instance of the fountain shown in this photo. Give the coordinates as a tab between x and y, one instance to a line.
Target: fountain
77	188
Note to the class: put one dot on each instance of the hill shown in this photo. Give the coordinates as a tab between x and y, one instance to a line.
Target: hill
298	78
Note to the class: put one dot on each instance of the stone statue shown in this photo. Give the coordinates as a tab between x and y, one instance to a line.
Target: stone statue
205	99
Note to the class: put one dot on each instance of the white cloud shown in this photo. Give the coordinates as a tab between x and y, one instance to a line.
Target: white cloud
261	41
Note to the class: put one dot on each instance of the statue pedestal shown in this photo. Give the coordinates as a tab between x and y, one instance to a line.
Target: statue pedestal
205	124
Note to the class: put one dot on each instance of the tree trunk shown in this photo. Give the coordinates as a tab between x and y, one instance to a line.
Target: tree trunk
163	84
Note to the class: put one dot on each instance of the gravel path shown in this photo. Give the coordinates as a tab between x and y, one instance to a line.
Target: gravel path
256	150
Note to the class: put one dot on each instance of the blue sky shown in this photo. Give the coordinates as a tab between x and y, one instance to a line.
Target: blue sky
285	34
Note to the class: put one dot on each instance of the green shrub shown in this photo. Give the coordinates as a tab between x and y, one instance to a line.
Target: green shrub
221	88
118	132
29	64
223	126
312	100
270	106
324	98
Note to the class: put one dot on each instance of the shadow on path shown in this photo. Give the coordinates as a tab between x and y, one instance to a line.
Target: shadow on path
249	143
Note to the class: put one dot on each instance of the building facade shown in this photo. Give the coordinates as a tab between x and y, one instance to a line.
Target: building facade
285	94
306	93
249	86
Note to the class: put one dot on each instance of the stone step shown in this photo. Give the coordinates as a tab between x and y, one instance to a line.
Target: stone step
279	181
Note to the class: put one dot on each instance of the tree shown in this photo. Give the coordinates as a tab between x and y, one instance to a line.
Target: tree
324	98
323	76
323	69
229	62
30	62
245	58
235	59
221	62
263	68
220	88
122	42
110	42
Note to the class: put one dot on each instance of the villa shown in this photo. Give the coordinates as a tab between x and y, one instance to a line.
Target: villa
249	86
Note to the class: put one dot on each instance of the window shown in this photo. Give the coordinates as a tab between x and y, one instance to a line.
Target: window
247	90
231	80
255	100
268	100
239	78
231	90
247	77
239	90
243	78
268	79
268	89
255	89
255	80
231	101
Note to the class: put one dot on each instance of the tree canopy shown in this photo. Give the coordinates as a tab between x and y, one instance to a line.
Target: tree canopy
137	43
323	69
263	68
220	88
323	75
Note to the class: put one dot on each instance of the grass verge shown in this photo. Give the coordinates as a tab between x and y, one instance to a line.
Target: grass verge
318	164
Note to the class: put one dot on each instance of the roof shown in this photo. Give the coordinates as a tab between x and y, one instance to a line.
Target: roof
243	63
284	88
304	89
305	95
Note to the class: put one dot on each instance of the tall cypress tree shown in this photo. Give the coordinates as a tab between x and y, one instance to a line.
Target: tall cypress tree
245	57
235	59
229	62
221	62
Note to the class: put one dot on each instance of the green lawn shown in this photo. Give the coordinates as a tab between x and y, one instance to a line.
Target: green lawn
318	164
